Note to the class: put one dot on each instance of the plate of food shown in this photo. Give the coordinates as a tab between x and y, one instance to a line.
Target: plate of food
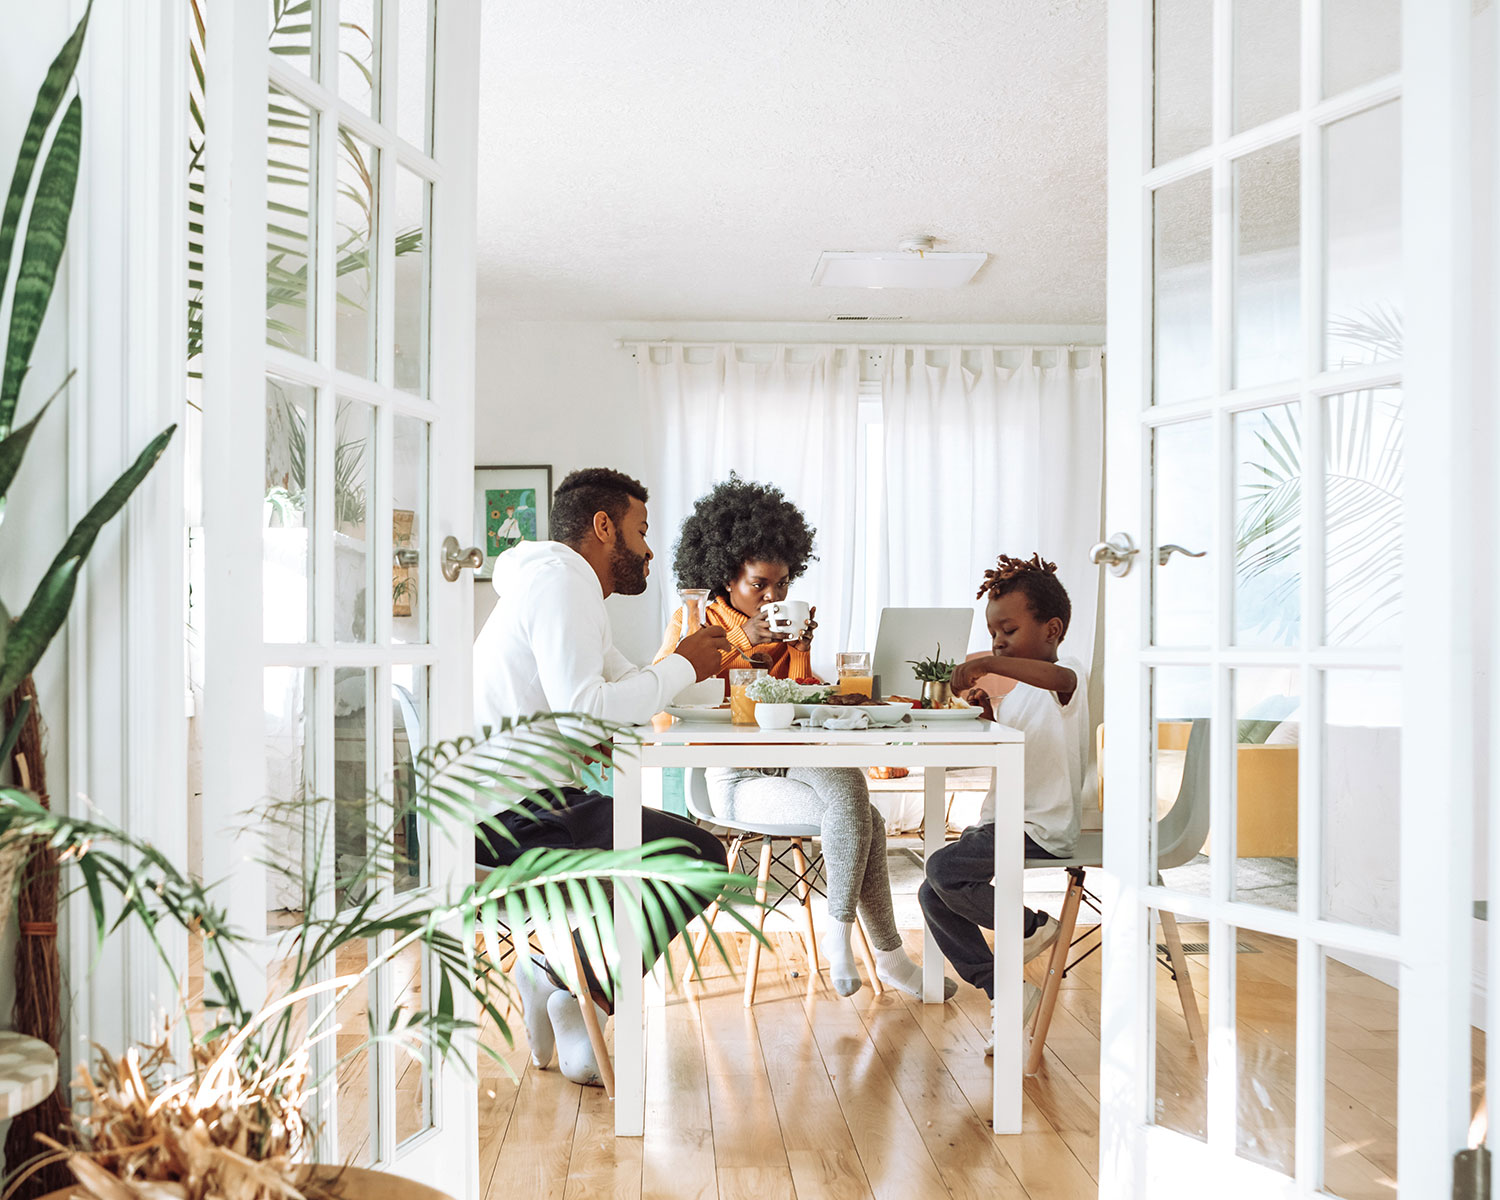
957	710
700	712
880	712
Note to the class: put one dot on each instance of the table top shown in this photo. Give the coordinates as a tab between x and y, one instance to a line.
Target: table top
28	1072
965	733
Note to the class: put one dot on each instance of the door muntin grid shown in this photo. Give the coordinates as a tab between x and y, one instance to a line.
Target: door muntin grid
349	440
1254	241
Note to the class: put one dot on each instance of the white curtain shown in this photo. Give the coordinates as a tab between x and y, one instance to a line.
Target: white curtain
989	451
784	415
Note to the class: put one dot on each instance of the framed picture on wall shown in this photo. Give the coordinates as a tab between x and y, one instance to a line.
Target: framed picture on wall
511	506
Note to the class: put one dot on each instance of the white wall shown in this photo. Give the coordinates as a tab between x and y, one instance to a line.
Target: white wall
561	393
35	519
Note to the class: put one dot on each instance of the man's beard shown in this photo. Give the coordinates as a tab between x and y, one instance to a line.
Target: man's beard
629	570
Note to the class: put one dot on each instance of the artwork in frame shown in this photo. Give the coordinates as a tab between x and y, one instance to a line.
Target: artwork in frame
511	505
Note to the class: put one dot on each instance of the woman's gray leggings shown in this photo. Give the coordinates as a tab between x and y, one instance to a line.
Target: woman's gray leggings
837	799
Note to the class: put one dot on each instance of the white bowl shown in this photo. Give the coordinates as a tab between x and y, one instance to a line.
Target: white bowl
775	716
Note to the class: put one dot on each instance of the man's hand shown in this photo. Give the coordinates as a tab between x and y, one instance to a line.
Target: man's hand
705	650
758	629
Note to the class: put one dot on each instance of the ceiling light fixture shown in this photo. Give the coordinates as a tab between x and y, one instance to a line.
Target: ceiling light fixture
915	265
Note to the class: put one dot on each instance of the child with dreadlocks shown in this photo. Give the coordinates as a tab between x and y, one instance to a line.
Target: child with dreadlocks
1027	614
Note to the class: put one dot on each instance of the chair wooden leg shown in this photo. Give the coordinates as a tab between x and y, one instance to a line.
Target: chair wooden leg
596	1031
864	944
1185	992
701	944
805	894
1057	963
752	969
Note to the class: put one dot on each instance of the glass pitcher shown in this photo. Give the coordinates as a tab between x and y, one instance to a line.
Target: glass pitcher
694	609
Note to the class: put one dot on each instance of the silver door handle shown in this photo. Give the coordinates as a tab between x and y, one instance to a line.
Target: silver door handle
408	558
1165	552
456	559
1115	553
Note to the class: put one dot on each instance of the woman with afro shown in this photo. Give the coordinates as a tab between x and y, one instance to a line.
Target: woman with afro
746	543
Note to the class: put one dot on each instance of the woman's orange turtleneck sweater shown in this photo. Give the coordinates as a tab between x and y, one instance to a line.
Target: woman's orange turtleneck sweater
787	661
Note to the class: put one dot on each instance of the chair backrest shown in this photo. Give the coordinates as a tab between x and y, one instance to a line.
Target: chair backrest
696	795
1181	833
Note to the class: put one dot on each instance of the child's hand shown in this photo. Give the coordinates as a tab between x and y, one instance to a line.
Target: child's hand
980	699
966	675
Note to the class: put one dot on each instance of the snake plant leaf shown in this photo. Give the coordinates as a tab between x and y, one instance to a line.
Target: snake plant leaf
81	540
34	628
13	447
47	99
46	235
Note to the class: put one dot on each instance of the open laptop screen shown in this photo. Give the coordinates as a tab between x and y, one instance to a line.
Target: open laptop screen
908	633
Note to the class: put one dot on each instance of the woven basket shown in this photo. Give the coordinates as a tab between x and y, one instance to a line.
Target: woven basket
13	852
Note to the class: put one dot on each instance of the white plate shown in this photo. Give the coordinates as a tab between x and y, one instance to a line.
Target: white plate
926	715
879	714
700	713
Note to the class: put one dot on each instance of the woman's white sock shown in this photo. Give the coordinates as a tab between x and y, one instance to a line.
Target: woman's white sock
841	965
575	1053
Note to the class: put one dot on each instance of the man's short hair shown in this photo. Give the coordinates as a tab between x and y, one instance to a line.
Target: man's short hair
592	490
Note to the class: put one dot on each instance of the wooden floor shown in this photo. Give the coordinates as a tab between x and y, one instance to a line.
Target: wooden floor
809	1095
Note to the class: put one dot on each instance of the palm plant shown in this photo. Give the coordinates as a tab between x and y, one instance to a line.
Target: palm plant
253	1060
1362	489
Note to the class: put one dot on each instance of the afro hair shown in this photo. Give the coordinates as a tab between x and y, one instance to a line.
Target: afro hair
736	523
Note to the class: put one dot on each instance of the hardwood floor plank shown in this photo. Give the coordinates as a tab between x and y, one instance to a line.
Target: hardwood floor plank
533	1158
756	1183
602	1165
677	1152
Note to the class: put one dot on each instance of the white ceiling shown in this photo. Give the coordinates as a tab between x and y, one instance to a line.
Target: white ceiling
677	160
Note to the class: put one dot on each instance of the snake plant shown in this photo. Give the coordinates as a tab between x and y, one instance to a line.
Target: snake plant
41	244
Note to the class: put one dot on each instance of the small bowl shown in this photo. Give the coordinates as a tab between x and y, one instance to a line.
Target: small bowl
775	716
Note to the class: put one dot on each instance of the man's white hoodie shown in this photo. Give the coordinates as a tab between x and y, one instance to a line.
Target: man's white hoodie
548	647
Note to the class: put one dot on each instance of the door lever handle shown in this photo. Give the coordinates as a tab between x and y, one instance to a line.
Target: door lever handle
1115	553
1165	552
456	559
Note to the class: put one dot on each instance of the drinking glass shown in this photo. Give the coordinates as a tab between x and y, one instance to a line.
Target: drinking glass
855	675
741	707
694	609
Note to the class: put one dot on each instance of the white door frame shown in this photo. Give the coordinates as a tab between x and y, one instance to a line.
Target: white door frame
1437	821
236	360
127	295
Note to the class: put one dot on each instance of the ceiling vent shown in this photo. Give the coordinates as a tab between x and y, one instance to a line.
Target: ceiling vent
861	317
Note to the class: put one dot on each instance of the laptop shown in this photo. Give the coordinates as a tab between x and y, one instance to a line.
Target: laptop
908	633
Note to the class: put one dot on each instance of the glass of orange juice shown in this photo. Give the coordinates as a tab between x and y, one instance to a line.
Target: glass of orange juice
741	707
855	675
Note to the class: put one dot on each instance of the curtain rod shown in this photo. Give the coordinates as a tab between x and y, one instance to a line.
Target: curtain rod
634	344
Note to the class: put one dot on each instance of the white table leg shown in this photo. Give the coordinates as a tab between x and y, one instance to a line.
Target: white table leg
1009	892
934	837
630	1017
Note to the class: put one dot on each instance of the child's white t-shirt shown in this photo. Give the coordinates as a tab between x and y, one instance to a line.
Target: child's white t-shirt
1057	758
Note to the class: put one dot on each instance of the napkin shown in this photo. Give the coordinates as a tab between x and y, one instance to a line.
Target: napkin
849	720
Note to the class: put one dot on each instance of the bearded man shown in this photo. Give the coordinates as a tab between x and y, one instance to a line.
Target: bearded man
548	647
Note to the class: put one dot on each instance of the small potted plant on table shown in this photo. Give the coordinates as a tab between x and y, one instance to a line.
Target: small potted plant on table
934	675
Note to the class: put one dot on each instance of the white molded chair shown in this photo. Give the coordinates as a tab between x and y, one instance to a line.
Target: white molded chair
742	839
1180	835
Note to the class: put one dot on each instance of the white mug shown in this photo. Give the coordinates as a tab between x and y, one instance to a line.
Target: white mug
788	618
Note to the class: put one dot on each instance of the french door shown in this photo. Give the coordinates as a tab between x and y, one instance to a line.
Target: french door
1286	749
337	454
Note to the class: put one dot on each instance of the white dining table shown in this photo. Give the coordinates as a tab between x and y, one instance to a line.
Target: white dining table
935	747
